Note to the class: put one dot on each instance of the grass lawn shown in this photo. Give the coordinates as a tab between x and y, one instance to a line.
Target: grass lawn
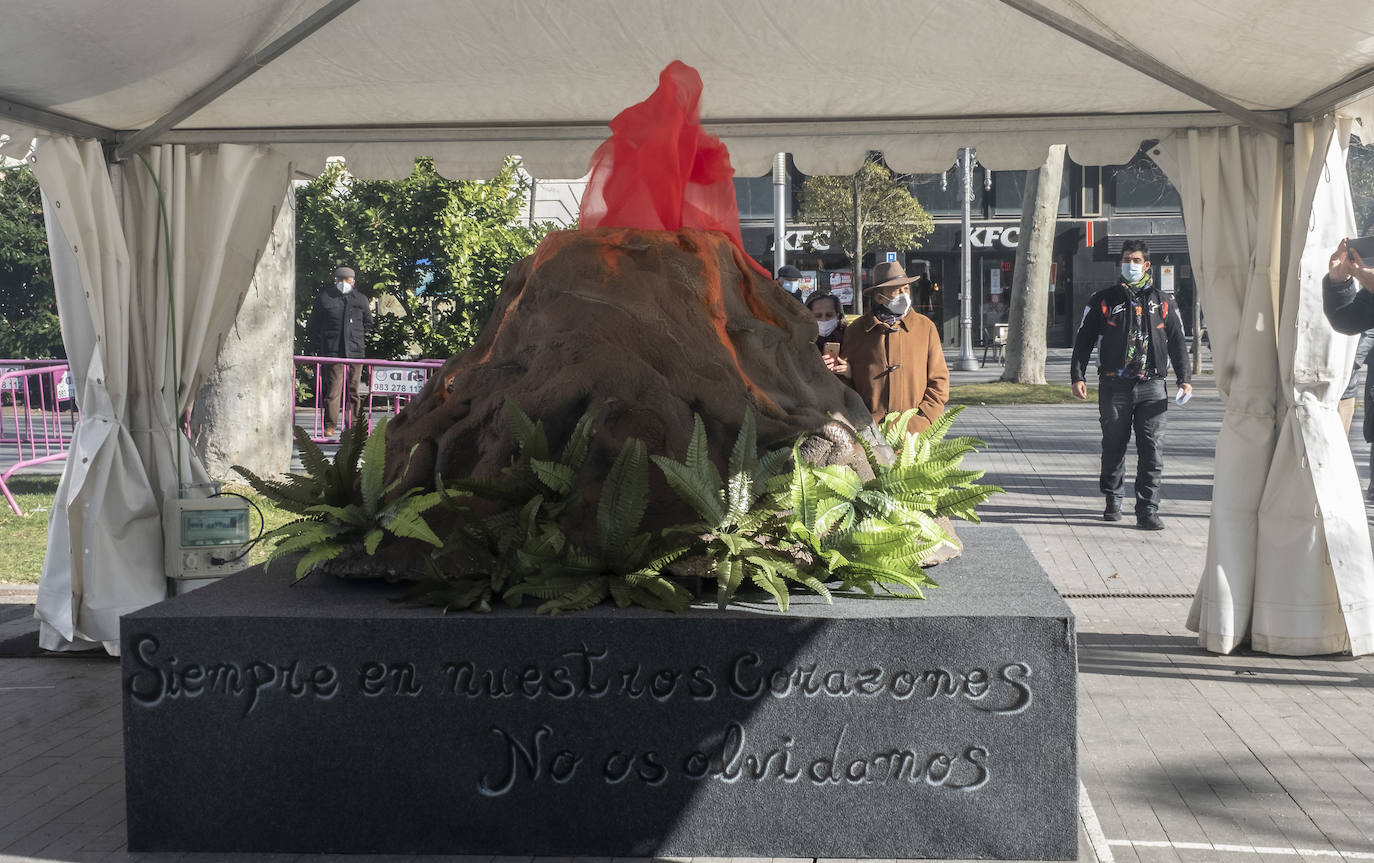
1007	393
24	538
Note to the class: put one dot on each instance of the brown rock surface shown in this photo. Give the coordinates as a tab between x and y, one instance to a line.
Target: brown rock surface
651	326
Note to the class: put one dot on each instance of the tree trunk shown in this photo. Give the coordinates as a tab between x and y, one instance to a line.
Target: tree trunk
857	268
1030	295
242	414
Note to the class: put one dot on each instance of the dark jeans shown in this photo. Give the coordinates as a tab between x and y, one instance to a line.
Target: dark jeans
334	377
1123	405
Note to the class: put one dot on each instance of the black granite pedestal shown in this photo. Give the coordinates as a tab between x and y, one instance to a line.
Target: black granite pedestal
321	717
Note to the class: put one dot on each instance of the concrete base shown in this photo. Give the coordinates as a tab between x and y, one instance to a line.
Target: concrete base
265	717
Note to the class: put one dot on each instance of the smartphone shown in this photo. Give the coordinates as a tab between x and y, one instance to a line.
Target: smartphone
1364	246
833	349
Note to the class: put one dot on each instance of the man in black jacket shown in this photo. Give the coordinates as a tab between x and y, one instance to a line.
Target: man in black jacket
1140	331
338	327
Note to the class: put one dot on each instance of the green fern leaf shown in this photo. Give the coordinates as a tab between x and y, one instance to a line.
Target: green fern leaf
313	459
894	427
840	479
374	468
624	497
588	593
318	555
351	515
699	458
407	522
557	477
769	467
744	456
373	539
693	489
529	435
762	574
575	453
960	502
836	513
953	448
729	576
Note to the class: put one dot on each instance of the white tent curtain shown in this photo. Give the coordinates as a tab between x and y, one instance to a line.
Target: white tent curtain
1284	475
116	297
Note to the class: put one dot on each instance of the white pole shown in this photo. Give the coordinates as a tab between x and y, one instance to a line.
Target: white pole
779	211
966	362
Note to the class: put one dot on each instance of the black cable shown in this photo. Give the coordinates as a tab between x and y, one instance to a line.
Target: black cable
262	526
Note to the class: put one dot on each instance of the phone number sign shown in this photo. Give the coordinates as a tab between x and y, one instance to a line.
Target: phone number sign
397	380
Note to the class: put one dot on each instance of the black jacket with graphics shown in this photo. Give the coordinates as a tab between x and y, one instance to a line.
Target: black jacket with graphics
1108	317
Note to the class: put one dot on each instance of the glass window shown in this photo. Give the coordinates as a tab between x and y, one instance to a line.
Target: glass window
755	197
1360	165
925	188
1092	190
1142	187
1008	191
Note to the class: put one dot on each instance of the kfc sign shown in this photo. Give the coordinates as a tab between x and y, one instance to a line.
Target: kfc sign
993	235
801	240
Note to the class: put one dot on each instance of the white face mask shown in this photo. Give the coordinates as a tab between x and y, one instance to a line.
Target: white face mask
1132	272
899	304
344	287
827	327
789	285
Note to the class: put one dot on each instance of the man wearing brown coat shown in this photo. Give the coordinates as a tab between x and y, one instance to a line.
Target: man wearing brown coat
893	355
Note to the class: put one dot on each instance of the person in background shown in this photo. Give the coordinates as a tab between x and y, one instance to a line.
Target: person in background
830	325
790	280
1137	332
337	327
1346	406
1348	292
894	356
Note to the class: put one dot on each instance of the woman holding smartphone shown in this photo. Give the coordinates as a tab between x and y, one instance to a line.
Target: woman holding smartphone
830	325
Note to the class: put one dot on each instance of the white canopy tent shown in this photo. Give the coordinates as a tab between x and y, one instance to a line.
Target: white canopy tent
1252	103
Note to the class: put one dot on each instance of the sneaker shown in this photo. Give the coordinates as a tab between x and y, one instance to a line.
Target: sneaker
330	431
1149	521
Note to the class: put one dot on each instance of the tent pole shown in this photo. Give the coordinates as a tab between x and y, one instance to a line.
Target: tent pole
231	78
53	122
1334	98
1147	65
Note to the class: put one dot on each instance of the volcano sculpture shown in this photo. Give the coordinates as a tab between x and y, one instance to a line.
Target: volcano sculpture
648	326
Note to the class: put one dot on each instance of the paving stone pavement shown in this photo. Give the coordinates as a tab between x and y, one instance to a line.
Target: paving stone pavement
1184	755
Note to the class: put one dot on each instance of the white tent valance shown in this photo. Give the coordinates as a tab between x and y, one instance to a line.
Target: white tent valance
380	82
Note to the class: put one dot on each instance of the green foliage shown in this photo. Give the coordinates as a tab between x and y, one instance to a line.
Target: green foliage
342	503
28	306
435	251
739	533
871	208
771	520
510	535
874	534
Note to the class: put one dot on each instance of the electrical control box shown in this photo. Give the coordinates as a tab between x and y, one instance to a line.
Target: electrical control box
205	537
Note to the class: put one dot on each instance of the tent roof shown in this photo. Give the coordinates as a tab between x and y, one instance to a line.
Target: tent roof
473	80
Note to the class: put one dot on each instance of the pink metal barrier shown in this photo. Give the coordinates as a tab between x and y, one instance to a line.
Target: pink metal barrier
386	387
37	416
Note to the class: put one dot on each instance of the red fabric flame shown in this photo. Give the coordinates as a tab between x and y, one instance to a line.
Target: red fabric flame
660	171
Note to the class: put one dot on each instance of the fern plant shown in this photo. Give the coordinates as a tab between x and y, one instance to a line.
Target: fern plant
871	535
740	534
514	544
335	514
